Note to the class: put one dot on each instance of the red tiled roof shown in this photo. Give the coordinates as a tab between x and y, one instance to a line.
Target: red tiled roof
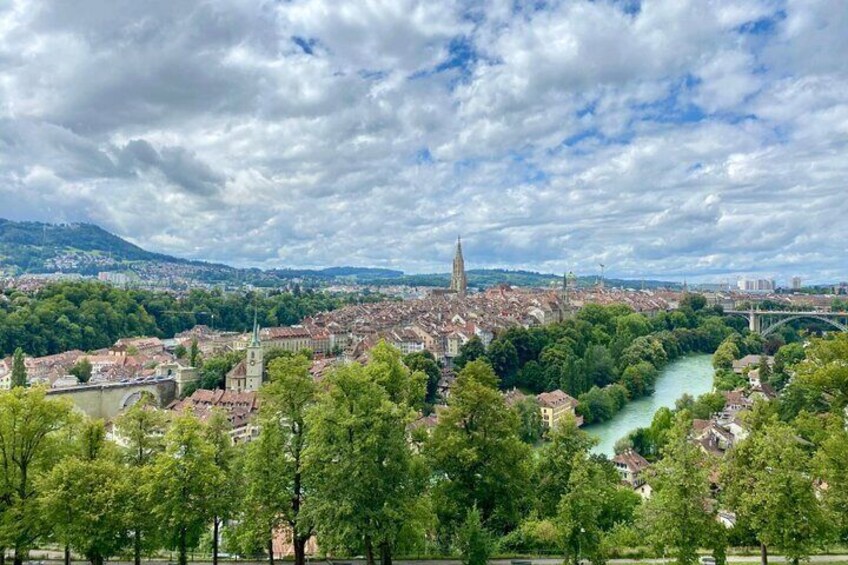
555	399
632	460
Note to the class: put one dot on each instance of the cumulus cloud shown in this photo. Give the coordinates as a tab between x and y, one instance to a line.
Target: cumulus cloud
665	138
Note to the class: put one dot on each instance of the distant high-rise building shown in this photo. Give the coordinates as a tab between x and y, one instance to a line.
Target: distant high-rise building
796	283
756	285
459	283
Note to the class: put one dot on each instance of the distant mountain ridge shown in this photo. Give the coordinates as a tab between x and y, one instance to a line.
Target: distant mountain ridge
36	247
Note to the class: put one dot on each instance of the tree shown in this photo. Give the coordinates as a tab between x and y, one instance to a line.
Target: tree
694	301
386	368
30	444
677	514
645	348
764	369
649	442
726	353
81	370
86	496
639	379
503	357
631	326
180	351
580	511
364	482
19	372
567	444
477	455
769	486
530	418
184	480
599	365
469	351
214	370
194	354
278	498
831	464
141	429
223	500
824	371
473	541
264	494
424	362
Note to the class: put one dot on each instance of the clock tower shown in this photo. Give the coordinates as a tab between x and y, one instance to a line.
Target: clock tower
254	363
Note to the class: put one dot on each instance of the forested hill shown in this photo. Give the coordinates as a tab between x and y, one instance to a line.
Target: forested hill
40	247
83	237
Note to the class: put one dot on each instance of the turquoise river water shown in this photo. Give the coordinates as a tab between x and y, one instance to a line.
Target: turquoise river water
692	375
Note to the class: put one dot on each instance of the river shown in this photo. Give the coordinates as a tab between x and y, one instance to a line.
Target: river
692	375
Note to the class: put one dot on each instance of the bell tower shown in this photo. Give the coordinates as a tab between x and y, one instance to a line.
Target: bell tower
254	362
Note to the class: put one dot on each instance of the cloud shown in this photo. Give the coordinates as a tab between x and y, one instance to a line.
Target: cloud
663	137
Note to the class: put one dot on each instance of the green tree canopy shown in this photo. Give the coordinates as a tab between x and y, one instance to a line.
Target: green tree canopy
678	514
86	497
477	456
365	482
19	372
469	351
32	441
770	486
141	429
183	483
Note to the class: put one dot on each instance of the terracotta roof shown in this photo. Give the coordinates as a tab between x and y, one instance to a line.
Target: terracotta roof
632	460
284	332
555	399
700	425
514	396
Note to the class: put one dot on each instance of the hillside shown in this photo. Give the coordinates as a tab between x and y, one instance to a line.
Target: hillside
35	247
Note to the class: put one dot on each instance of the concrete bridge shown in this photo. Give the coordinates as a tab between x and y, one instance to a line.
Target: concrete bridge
107	400
765	322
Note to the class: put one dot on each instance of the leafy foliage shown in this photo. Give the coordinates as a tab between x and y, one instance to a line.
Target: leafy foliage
477	456
90	315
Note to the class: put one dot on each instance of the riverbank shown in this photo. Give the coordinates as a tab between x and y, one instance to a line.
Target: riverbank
691	375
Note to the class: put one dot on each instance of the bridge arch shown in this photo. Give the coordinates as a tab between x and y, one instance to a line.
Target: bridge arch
132	397
835	323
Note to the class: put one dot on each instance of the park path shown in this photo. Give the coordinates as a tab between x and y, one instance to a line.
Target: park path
48	558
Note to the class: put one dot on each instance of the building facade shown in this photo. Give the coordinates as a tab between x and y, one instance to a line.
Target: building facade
555	406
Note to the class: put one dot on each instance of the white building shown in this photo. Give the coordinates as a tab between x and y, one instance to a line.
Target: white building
756	285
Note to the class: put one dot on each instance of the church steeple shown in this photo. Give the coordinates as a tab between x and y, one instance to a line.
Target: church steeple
255	360
459	283
254	342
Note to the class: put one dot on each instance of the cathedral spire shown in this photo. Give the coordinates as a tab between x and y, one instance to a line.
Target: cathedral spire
459	282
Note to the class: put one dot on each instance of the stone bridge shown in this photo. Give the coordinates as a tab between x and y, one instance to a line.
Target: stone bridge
107	400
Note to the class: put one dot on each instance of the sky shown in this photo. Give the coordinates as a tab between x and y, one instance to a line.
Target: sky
704	139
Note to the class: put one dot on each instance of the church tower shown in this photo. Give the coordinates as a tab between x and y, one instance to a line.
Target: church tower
568	285
255	365
459	283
